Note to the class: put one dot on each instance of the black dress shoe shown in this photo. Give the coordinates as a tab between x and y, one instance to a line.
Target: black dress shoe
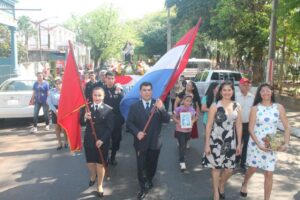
113	162
149	185
91	183
59	148
141	195
221	195
243	194
100	194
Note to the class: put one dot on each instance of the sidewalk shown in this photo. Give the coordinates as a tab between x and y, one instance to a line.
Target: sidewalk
294	121
292	107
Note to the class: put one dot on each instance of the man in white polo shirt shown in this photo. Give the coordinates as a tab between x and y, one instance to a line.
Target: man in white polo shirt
245	99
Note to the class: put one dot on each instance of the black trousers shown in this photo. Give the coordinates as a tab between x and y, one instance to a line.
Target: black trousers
146	165
182	138
116	138
245	139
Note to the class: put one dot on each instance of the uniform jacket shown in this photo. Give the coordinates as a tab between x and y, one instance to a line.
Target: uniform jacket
103	122
113	99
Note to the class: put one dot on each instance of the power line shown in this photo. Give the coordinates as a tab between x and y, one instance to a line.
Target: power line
23	9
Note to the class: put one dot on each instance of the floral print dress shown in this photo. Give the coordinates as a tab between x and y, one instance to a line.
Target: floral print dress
267	118
222	140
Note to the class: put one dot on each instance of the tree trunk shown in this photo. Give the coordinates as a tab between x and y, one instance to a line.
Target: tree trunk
258	69
281	73
26	46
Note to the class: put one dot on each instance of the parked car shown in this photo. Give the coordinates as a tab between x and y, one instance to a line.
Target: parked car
203	79
15	95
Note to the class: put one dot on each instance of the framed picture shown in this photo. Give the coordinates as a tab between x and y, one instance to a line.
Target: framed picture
186	120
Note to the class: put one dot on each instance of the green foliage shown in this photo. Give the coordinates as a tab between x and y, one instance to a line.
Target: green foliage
25	28
5	48
153	33
101	30
22	53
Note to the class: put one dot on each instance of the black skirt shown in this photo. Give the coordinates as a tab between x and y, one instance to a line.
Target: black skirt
92	154
53	116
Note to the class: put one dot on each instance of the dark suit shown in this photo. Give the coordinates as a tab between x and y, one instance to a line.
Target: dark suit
147	149
104	124
113	99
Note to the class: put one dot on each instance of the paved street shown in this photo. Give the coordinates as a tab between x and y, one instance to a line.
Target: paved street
31	168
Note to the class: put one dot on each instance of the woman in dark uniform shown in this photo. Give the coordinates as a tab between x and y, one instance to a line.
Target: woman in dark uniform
102	117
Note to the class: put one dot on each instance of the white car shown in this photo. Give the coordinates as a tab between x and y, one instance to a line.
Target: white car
15	95
203	79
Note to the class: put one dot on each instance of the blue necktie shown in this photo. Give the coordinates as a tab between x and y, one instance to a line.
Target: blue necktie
147	108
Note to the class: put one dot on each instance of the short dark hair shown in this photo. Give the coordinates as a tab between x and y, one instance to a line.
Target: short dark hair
145	84
109	73
91	72
98	88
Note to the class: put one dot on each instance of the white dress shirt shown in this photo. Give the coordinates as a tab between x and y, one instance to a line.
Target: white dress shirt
145	103
246	102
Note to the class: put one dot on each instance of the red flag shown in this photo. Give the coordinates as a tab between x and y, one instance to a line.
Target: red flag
70	102
189	39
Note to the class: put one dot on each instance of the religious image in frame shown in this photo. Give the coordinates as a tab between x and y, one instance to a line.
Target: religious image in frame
186	120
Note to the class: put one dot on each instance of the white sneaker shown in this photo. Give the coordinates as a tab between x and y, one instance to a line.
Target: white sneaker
47	128
188	145
182	166
33	130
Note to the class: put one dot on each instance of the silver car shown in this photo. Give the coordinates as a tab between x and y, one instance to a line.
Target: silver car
15	95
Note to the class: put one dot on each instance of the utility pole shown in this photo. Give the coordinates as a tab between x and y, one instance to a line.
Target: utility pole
168	30
49	36
272	43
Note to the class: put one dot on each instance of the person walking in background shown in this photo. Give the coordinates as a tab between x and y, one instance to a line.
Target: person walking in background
190	89
103	120
40	94
91	85
264	117
147	144
53	100
183	134
173	94
208	99
113	97
245	99
224	122
85	79
101	77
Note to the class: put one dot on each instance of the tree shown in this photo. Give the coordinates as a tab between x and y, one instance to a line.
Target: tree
26	29
153	33
288	35
22	53
5	48
101	30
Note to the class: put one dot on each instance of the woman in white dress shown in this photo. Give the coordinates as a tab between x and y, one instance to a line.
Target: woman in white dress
264	116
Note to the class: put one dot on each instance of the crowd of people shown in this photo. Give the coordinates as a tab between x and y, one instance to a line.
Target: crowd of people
235	126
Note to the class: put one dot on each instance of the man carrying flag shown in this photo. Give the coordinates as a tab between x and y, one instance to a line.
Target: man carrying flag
145	125
147	142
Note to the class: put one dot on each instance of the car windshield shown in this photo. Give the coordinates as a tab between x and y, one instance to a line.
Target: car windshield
17	85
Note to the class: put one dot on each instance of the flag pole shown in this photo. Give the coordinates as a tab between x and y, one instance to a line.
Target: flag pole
90	120
163	95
